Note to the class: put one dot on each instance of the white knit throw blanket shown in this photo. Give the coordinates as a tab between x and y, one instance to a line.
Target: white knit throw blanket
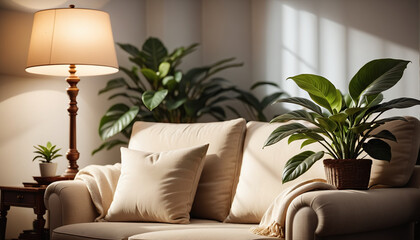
274	220
101	182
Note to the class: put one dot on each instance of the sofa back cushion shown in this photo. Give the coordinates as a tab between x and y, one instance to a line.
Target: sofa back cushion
398	171
221	166
261	172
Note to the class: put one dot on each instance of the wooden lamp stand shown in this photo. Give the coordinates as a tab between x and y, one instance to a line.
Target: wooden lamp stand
72	154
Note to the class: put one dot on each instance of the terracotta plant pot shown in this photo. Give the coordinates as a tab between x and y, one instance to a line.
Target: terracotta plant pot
348	173
48	169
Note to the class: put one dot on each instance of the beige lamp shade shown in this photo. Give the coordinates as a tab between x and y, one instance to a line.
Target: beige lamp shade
82	37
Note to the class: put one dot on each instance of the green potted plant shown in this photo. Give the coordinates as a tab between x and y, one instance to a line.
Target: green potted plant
342	124
45	154
155	89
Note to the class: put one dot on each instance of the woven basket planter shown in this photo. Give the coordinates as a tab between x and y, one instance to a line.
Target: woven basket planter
348	173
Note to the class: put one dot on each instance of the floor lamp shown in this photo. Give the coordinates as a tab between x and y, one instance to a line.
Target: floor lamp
69	40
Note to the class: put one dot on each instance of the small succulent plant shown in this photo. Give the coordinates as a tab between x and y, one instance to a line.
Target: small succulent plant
46	153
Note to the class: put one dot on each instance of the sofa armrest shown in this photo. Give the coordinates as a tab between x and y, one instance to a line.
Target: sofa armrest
338	212
68	202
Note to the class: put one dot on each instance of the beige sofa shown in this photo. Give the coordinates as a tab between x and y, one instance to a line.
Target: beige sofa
239	181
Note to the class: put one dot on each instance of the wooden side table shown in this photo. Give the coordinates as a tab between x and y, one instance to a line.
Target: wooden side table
29	197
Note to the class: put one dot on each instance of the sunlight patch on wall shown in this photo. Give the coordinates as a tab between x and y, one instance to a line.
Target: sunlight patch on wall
333	52
289	59
308	42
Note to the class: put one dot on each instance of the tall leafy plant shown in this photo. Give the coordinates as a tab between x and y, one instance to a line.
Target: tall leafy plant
157	90
343	125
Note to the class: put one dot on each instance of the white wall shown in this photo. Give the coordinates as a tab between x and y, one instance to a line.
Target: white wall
335	39
274	39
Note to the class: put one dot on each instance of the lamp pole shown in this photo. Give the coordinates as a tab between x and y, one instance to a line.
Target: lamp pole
72	154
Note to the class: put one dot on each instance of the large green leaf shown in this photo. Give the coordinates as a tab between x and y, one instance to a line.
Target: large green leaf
152	99
283	132
154	52
396	103
378	149
302	102
299	164
321	90
376	76
117	118
294	115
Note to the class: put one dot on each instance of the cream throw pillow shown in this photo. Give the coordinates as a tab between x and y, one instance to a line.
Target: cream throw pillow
222	164
157	187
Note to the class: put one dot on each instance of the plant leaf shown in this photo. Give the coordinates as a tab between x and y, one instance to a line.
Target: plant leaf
283	132
174	104
321	90
117	118
164	69
294	115
339	117
299	164
178	76
385	134
352	111
152	99
378	149
154	53
396	103
390	119
327	124
149	74
302	102
130	49
307	142
262	83
376	76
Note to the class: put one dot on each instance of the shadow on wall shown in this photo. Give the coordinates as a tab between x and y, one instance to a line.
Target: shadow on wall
334	39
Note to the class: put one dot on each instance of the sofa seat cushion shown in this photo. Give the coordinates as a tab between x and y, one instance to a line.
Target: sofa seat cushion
218	232
197	229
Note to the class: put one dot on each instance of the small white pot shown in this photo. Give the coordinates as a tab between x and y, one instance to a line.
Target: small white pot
48	169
